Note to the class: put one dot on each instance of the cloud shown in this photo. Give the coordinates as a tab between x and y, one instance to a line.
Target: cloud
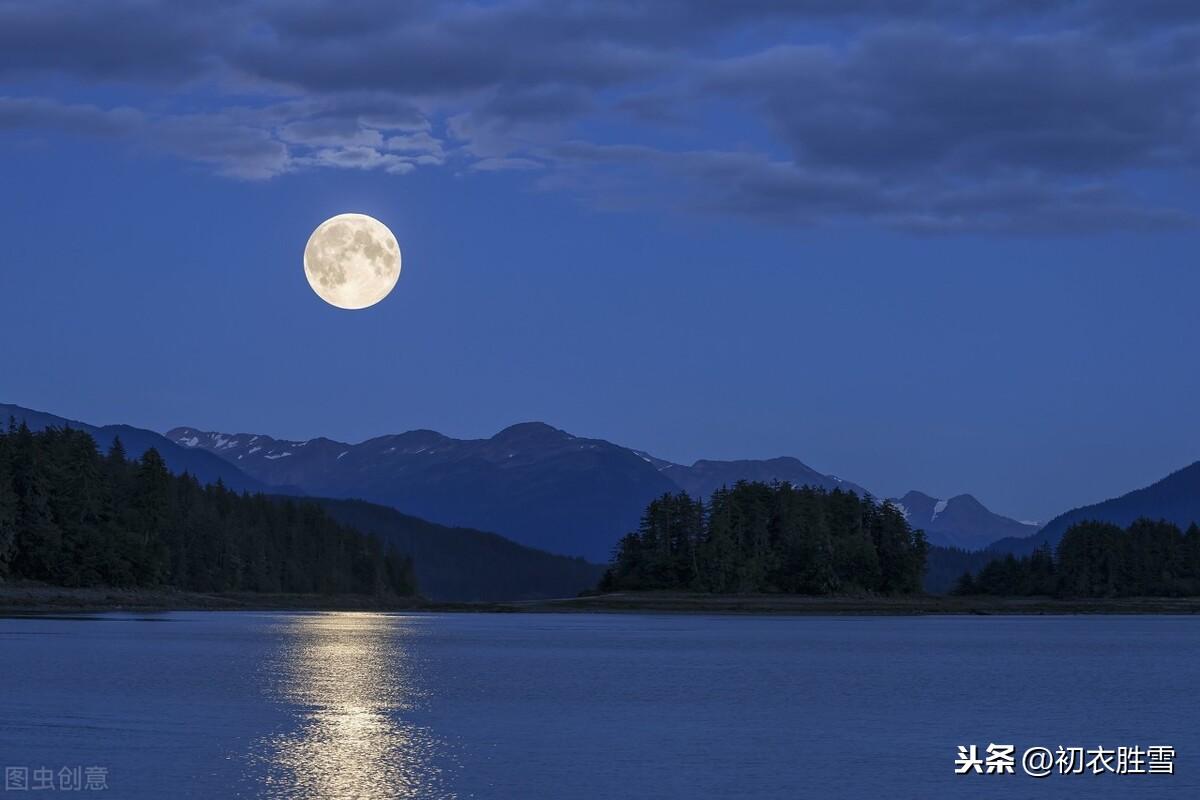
330	132
234	149
80	119
504	164
128	40
927	115
920	99
359	157
783	192
420	145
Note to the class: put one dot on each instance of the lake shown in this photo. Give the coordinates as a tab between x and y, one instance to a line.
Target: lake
348	705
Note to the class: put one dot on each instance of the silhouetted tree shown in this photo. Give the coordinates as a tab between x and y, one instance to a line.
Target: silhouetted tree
1099	559
72	517
757	537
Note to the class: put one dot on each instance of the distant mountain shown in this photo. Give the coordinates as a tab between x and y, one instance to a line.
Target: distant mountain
457	564
532	483
1176	498
961	522
704	477
205	467
460	564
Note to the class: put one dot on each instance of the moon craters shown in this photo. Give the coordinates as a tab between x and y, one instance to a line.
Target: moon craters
352	261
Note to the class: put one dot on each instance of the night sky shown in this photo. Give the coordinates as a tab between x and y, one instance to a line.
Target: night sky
950	246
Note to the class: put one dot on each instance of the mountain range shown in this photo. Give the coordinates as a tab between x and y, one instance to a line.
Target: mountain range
548	490
451	563
542	486
530	482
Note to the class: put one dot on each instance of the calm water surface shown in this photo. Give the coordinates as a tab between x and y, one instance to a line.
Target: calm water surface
335	705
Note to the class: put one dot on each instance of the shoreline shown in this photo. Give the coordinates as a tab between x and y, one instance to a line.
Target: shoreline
21	600
40	599
846	605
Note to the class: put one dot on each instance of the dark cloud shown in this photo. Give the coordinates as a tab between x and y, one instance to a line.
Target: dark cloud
129	40
319	19
81	119
925	99
542	103
930	115
424	61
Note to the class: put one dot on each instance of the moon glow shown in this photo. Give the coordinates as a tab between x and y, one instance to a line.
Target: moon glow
352	261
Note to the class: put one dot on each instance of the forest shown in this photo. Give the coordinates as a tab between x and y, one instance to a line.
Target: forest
1099	559
944	566
70	516
770	538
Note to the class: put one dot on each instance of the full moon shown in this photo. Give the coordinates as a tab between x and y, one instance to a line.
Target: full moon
352	261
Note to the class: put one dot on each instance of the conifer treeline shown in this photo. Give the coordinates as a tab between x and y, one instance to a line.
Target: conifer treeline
757	537
72	517
1099	559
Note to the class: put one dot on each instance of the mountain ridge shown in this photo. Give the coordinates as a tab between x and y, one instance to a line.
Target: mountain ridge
705	475
1174	498
451	563
530	481
527	469
205	467
961	521
463	564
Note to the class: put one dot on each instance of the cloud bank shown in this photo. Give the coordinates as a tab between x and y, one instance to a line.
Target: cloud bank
922	115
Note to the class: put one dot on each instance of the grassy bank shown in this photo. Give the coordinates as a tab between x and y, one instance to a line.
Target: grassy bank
35	598
874	605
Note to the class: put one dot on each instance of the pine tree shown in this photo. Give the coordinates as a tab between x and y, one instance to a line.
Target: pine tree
757	537
8	510
1098	559
966	584
70	516
38	537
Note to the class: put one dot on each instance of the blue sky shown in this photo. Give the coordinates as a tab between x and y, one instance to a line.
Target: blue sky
944	246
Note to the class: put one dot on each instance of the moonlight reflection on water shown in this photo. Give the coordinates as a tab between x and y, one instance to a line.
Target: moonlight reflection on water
585	706
350	680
